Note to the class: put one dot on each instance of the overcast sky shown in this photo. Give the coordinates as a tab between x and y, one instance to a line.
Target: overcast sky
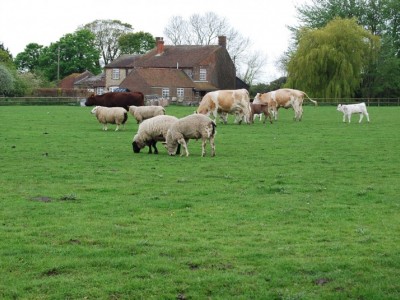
46	21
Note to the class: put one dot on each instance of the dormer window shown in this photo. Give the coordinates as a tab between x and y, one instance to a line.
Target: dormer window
115	74
203	74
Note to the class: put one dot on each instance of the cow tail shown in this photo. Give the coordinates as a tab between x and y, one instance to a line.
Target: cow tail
313	101
125	117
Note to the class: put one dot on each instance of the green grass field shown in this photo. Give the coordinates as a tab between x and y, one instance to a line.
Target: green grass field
292	210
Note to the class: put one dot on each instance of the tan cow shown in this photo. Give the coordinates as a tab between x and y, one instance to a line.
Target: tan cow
224	102
284	98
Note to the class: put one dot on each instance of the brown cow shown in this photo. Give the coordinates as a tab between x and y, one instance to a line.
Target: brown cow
116	99
224	102
284	98
259	109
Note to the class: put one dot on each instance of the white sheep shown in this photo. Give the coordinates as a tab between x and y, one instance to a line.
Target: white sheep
141	113
110	115
196	126
151	131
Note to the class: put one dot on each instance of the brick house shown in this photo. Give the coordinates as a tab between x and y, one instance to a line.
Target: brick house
182	73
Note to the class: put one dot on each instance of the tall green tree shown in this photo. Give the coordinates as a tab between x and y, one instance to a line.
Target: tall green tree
329	62
107	33
380	17
136	43
73	53
28	60
6	81
5	56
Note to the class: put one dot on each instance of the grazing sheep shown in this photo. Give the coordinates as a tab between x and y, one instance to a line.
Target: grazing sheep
141	113
111	115
151	131
196	126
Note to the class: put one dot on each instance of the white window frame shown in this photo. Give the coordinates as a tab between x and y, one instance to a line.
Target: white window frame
99	90
180	92
112	88
115	74
203	74
165	93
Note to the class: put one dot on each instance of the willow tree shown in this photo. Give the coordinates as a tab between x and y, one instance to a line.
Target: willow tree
330	61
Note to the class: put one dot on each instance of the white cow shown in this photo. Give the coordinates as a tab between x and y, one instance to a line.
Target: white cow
284	98
224	102
349	109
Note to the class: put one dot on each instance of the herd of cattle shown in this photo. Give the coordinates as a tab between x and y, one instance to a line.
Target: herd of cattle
155	126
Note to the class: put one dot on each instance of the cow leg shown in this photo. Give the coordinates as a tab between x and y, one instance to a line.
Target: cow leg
215	114
275	112
300	112
366	114
344	118
361	117
349	117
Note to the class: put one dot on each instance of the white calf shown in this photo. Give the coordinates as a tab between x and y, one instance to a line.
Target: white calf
349	109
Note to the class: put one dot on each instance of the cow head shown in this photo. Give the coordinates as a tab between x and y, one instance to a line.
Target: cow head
90	101
339	107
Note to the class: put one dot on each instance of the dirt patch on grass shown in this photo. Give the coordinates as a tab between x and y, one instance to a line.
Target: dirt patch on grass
42	199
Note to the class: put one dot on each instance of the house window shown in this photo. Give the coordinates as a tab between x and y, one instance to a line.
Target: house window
180	92
165	92
115	74
99	91
112	88
203	74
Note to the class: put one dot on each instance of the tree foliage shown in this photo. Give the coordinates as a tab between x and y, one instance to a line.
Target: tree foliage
329	62
6	81
28	60
107	33
73	53
136	43
379	17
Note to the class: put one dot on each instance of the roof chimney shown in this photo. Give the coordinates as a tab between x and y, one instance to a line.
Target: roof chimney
222	41
160	45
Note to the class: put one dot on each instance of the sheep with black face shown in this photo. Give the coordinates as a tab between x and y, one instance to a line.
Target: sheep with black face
151	131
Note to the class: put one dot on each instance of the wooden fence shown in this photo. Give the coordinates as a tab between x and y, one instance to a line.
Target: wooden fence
368	101
77	101
41	101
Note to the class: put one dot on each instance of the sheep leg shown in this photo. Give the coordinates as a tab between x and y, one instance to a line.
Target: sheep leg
203	146
185	148
212	144
105	127
116	129
154	146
